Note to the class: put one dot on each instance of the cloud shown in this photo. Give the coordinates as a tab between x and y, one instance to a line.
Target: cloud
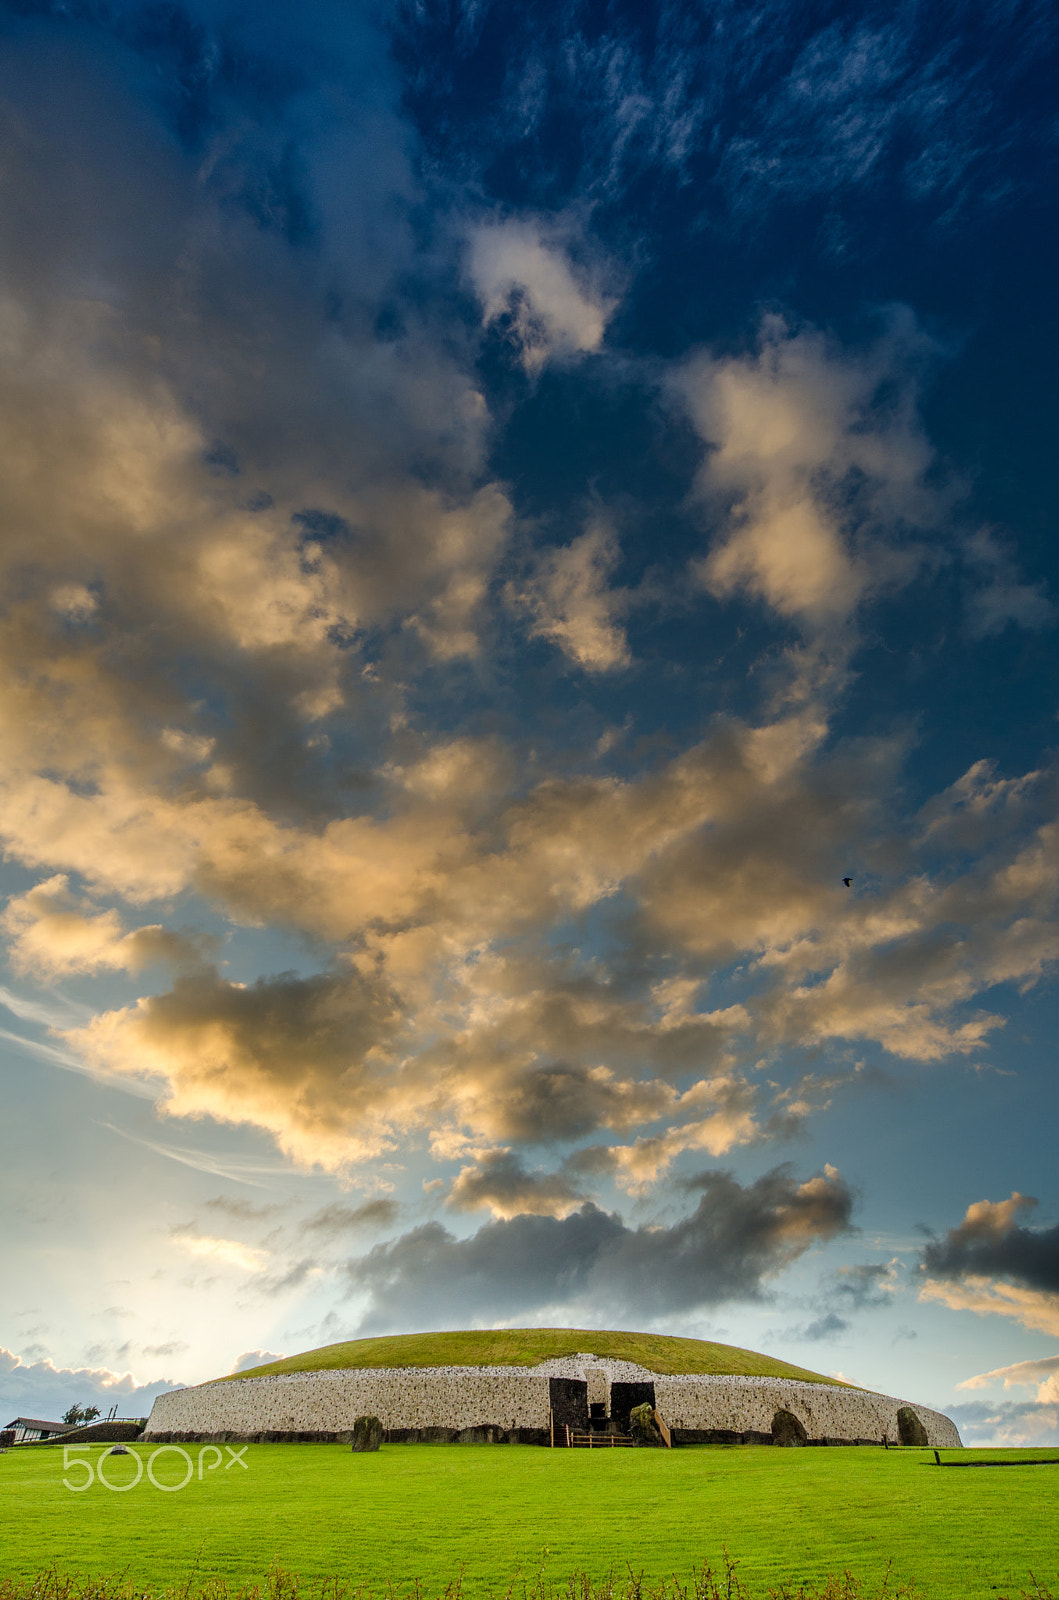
591	1263
1032	1308
55	933
991	1240
762	115
41	1389
1044	1372
992	1265
236	1169
263	487
68	1062
323	1061
819	466
731	1122
1005	1425
255	645
233	1052
447	1009
572	604
241	1210
498	1179
843	112
226	1252
336	1220
255	1358
1001	596
851	1289
522	269
54	1011
866	1286
823	1328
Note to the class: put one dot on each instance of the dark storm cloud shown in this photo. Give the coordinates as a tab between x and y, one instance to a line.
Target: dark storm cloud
991	1243
725	1250
499	1180
565	1100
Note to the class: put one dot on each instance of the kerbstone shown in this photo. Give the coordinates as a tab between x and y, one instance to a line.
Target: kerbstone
367	1435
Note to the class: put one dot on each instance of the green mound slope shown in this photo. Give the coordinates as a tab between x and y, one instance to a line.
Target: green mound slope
525	1347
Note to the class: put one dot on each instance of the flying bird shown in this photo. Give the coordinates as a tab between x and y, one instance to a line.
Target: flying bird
848	882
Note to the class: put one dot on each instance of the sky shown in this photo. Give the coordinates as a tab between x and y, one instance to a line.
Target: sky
528	780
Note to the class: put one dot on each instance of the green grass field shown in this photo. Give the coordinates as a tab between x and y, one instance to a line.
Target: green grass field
525	1347
420	1512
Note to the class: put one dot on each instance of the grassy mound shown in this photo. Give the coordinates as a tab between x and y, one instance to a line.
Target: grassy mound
526	1347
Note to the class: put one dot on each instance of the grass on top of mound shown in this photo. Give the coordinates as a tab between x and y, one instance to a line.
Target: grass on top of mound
525	1347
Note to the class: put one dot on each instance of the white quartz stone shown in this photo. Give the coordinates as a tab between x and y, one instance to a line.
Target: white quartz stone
518	1397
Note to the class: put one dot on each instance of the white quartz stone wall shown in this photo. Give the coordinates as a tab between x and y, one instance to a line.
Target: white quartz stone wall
825	1411
517	1397
330	1402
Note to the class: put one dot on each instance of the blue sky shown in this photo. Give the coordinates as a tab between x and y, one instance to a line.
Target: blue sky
504	510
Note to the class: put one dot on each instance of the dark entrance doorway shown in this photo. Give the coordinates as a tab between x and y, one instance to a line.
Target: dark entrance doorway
568	1398
623	1396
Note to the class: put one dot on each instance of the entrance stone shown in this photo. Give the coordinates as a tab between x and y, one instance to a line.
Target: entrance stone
623	1397
643	1427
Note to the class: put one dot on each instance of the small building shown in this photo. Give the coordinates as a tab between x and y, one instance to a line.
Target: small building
29	1430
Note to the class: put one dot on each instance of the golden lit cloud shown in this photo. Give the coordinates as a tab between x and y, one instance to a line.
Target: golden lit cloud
789	426
1031	1308
226	1252
446	877
573	604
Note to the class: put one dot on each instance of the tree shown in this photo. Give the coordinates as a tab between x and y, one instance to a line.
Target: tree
77	1414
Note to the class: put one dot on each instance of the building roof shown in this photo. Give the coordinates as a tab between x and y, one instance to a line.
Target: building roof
35	1422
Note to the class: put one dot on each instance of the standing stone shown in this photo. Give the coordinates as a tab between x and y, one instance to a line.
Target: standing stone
367	1434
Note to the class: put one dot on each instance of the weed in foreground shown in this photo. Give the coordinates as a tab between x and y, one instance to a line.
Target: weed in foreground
279	1584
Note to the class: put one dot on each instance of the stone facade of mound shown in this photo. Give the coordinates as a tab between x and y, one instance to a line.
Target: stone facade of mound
514	1405
693	1405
